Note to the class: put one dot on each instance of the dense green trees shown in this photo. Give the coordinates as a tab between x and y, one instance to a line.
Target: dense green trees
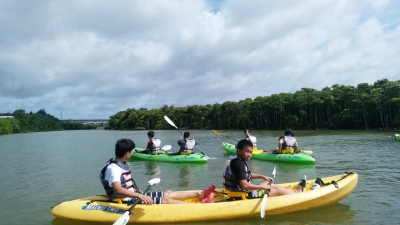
34	122
8	126
363	107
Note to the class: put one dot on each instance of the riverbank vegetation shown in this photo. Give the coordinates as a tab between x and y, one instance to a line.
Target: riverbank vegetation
22	122
339	107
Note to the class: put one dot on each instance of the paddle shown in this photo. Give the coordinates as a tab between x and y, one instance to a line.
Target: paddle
166	147
307	151
223	135
173	124
125	218
264	201
202	152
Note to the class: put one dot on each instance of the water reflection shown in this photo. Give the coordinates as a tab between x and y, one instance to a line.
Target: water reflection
332	214
152	169
188	173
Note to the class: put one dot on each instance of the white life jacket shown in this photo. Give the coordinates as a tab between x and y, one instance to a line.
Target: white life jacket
253	140
155	147
289	142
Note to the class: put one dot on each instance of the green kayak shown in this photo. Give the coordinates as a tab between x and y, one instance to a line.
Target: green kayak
297	158
397	137
163	156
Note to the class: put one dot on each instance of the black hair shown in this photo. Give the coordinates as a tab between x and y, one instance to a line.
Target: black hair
186	134
246	130
123	146
150	133
289	132
243	143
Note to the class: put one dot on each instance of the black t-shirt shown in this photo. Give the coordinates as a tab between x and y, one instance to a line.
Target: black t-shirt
238	168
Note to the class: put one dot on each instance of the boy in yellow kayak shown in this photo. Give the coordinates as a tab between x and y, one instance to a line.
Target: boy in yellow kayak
118	183
237	176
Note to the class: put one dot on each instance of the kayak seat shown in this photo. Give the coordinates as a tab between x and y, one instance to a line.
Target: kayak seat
192	200
119	200
186	153
288	151
236	194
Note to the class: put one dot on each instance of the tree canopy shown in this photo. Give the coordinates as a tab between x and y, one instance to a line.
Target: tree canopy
363	107
21	122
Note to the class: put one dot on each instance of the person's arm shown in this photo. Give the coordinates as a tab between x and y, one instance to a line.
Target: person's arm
119	190
239	170
259	176
296	148
180	140
249	186
149	143
281	139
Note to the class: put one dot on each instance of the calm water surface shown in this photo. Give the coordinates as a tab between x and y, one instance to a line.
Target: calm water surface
38	170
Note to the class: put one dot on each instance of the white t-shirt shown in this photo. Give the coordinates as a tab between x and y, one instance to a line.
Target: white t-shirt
113	173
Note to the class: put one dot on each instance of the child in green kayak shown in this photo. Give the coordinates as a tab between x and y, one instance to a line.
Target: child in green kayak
153	145
287	142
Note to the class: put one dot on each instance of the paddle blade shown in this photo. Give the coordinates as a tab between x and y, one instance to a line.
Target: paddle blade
123	219
166	147
274	171
263	204
170	122
218	133
154	181
307	151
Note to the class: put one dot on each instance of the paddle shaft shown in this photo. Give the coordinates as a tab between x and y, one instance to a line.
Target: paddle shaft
173	124
266	194
224	135
201	151
138	200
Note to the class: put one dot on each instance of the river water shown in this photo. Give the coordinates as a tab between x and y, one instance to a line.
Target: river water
39	170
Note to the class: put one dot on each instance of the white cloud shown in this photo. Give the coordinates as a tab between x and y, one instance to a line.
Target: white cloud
95	58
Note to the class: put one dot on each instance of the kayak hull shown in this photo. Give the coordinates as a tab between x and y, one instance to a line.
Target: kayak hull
98	209
397	137
163	157
297	158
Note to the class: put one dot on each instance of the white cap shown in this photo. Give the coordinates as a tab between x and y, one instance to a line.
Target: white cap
315	186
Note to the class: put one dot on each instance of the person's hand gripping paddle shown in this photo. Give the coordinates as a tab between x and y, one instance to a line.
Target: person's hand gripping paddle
264	201
125	218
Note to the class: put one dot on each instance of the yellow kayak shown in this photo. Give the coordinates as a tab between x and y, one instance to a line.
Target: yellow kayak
99	209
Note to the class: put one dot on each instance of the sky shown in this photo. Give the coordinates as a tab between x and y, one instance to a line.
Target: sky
89	59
